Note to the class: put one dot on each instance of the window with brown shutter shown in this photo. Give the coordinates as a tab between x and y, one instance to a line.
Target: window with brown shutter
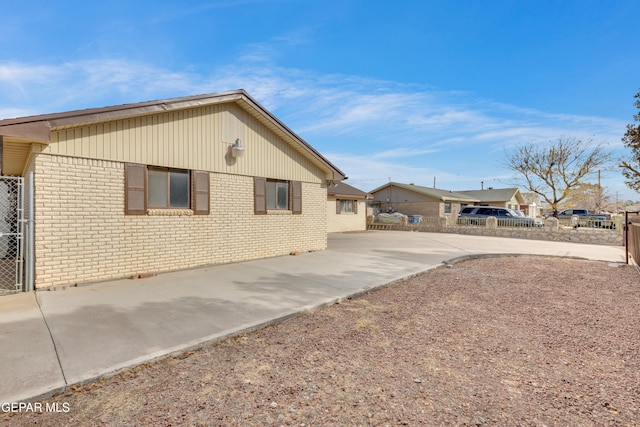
200	190
272	194
260	195
135	182
296	197
149	187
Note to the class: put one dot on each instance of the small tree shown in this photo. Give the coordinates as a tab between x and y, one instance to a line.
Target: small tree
551	171
631	139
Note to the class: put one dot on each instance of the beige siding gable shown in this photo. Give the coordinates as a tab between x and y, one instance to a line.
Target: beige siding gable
197	138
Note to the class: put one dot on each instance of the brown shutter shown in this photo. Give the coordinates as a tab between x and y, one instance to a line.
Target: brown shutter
337	206
296	197
135	189
260	195
355	206
200	192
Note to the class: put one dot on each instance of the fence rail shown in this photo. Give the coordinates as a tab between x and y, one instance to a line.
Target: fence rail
612	224
500	222
472	222
605	233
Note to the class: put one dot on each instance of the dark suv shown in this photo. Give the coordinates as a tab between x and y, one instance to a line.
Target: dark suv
506	217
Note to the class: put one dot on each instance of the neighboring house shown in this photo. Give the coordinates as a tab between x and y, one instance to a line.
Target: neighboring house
510	198
165	185
532	205
346	208
411	199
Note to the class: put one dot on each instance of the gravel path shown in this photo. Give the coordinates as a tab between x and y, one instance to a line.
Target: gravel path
495	341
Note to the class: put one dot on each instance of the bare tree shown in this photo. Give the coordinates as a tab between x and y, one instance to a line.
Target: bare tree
552	170
631	139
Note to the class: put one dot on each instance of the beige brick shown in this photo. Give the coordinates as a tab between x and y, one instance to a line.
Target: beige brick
82	234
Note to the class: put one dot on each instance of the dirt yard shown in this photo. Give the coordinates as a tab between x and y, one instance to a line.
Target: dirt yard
525	341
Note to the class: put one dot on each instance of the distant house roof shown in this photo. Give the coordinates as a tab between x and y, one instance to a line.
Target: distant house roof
436	193
495	194
346	190
531	198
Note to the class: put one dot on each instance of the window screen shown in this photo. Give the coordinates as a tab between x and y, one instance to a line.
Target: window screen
168	189
277	195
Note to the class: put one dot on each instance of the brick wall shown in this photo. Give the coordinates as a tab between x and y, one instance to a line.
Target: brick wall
82	234
346	221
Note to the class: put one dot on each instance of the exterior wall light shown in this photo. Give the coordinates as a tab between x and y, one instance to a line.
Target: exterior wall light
237	150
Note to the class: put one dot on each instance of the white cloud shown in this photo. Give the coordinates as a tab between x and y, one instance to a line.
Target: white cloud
402	152
315	104
370	171
85	84
372	129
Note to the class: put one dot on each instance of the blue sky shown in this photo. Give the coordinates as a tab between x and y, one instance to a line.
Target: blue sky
402	90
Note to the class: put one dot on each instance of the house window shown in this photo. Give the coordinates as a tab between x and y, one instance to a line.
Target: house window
346	206
271	194
148	187
447	207
277	195
168	188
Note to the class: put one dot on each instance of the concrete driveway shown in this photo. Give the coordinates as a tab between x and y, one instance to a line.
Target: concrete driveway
51	339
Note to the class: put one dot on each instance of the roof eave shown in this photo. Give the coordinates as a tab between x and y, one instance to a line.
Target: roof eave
335	173
36	131
39	127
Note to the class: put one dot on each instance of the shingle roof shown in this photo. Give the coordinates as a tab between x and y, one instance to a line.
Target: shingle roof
444	195
495	194
342	189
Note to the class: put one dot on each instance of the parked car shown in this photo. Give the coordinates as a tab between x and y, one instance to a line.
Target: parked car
506	217
581	213
585	218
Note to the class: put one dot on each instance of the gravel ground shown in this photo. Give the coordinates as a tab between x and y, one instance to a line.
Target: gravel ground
494	341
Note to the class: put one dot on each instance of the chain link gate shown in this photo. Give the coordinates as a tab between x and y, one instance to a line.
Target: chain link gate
11	234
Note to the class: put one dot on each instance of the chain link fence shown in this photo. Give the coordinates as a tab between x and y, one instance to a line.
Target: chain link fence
11	234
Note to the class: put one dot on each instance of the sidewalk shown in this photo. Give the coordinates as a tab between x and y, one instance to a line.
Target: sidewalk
51	339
